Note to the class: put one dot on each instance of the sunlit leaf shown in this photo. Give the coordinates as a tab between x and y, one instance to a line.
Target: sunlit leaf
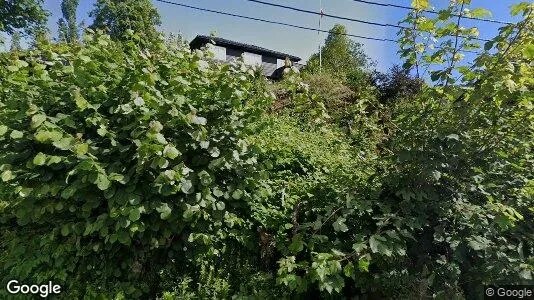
420	4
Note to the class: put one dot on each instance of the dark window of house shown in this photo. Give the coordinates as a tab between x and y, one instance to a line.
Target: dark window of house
233	53
268	59
269	65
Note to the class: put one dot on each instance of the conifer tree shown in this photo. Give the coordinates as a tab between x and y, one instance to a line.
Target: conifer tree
68	28
63	30
15	42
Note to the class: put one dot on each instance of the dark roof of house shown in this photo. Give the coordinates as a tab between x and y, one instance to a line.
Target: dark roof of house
201	40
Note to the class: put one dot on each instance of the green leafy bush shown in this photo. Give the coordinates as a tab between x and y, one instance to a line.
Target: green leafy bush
314	173
448	207
134	171
117	161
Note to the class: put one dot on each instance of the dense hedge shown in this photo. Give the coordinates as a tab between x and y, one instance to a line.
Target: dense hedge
118	160
150	171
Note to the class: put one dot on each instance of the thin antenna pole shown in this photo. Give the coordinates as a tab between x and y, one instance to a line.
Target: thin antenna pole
319	34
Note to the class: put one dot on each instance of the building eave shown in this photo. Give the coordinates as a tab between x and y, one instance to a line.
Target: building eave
201	40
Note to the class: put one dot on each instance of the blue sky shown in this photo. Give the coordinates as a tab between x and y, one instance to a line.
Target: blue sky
291	40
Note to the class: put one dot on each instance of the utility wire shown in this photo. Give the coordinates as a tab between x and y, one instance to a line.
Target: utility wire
430	11
272	22
283	24
345	18
329	15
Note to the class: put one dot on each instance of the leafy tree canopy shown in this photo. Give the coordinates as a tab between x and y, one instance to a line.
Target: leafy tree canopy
118	16
21	15
397	82
340	55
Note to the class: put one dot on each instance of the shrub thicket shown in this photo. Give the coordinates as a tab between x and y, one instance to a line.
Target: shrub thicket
118	160
134	171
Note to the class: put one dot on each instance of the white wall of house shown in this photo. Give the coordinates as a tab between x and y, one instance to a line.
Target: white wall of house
252	59
280	63
218	51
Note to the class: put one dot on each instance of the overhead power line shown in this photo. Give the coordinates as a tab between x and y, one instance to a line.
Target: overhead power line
272	22
430	11
282	23
346	18
329	15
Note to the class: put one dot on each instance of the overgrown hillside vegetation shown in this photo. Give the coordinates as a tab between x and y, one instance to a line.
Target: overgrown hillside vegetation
133	167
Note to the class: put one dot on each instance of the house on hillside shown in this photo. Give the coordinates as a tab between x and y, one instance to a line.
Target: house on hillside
272	62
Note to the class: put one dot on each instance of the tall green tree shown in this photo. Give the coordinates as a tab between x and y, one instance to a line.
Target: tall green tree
15	42
23	15
340	55
63	30
68	28
41	36
116	17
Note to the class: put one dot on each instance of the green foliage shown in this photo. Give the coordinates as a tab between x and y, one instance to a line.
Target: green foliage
63	30
116	17
450	196
41	37
420	4
15	42
396	85
118	162
355	110
25	15
293	96
341	56
314	174
462	162
68	28
133	168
